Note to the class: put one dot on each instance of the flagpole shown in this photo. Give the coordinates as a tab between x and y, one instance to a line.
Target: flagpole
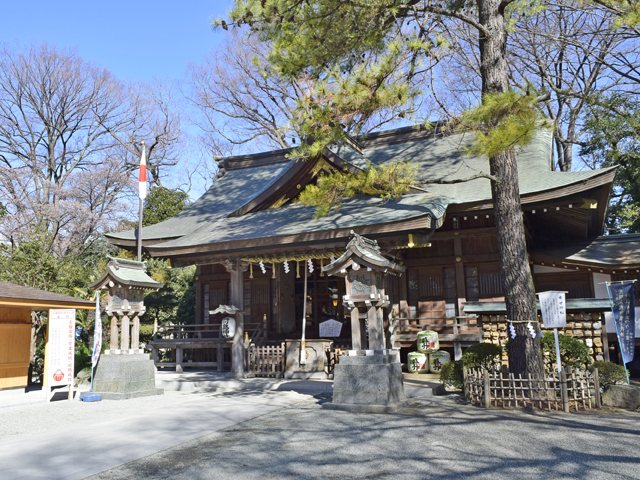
142	193
140	212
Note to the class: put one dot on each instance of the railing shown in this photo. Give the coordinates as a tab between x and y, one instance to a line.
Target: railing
183	331
569	390
266	360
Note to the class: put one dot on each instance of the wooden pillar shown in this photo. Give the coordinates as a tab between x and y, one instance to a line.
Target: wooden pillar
459	269
135	333
124	333
374	327
113	341
356	336
236	272
197	285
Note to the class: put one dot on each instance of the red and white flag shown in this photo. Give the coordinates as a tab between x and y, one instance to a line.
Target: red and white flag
142	184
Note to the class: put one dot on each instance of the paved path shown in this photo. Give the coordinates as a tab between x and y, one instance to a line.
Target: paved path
67	440
251	433
437	438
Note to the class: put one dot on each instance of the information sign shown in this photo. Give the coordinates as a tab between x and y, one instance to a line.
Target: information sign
59	352
553	309
330	328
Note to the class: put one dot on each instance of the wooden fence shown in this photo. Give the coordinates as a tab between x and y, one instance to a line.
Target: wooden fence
266	360
570	390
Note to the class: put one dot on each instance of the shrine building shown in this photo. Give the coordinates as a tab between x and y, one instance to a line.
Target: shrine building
255	247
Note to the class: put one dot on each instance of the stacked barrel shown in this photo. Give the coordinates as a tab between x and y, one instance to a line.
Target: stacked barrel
429	358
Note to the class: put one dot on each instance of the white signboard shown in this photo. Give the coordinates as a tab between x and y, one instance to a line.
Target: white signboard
58	358
330	328
553	309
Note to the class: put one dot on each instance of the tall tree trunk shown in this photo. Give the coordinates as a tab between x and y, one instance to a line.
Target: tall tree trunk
525	354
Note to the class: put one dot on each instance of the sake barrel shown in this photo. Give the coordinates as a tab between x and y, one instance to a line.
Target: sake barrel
428	341
417	362
437	360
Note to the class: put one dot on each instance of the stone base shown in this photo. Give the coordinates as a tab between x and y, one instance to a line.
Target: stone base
316	359
118	377
622	396
371	379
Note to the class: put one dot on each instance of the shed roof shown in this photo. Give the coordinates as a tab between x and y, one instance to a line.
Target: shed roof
572	304
21	296
610	251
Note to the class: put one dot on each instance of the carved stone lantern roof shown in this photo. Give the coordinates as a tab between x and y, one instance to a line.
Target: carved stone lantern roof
362	252
126	273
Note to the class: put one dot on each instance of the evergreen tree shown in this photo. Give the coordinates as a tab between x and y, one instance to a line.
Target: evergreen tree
329	39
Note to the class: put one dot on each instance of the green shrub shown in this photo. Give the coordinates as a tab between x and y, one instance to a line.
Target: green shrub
609	373
451	374
482	355
573	351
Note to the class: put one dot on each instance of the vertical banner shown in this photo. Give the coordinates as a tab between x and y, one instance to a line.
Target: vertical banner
97	333
623	310
58	358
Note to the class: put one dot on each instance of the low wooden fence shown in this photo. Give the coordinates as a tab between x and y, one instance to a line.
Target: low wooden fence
569	390
266	360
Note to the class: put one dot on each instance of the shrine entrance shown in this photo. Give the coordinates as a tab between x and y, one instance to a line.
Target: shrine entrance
324	302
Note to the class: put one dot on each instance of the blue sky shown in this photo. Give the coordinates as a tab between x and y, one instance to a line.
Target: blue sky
137	40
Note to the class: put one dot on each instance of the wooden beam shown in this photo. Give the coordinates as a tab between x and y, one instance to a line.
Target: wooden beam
41	304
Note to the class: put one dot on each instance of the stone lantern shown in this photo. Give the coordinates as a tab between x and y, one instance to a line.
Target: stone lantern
125	371
370	374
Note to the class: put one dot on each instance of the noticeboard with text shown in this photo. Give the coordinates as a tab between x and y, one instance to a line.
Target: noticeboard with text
59	352
553	308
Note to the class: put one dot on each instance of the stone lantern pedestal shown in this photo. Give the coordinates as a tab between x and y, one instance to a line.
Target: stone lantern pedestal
124	370
370	374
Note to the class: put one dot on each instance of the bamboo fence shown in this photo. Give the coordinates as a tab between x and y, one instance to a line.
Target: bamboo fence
569	390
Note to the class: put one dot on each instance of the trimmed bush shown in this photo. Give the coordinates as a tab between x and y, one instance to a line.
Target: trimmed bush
609	374
482	355
451	375
573	351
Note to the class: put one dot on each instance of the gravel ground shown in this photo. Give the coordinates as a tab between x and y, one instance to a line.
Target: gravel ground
434	438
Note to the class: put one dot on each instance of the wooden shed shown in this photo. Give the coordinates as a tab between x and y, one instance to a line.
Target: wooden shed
16	304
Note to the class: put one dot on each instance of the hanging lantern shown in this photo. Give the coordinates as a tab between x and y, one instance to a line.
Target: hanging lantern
334	296
228	327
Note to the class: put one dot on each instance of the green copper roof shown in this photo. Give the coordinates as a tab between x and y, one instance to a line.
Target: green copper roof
444	157
127	272
226	194
295	218
207	221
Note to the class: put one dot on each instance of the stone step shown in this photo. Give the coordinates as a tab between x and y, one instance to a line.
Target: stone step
214	382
